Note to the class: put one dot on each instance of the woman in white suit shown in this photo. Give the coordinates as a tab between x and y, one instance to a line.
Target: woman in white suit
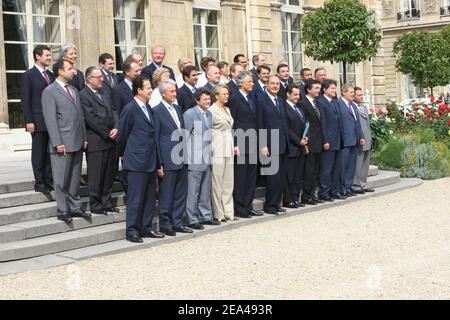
223	152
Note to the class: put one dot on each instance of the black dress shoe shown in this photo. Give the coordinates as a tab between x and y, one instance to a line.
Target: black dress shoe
196	226
112	209
50	187
280	209
274	212
211	223
66	217
255	213
243	215
317	200
338	197
169	233
369	190
349	194
183	230
299	204
81	214
291	205
358	191
310	202
41	189
152	234
100	211
135	238
327	199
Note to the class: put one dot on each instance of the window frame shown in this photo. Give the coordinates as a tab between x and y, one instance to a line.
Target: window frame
203	25
290	10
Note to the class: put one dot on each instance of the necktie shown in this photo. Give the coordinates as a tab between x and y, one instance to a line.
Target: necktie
45	74
193	90
351	110
276	105
145	109
69	93
174	115
265	89
316	109
110	77
98	95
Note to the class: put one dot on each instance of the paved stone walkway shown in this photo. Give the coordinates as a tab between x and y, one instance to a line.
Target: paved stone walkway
393	246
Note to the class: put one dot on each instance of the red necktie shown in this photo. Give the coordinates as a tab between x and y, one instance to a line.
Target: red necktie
69	93
47	79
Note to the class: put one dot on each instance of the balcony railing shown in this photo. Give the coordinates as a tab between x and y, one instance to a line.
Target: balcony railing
445	11
408	14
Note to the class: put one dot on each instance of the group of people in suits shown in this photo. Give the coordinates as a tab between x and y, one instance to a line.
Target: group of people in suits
198	149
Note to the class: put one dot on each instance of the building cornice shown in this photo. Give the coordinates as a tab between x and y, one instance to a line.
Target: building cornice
415	26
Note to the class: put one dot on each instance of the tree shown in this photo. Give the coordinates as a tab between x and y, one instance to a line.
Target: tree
341	31
424	56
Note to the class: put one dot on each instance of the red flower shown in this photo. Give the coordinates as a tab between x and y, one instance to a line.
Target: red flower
416	104
443	107
432	99
448	122
379	110
440	101
441	113
426	111
413	118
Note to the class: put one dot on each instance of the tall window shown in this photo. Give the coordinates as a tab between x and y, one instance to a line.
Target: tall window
445	9
408	9
27	23
351	73
206	34
290	24
129	29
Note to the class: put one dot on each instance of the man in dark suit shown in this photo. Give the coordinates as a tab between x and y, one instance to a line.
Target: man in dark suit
320	74
257	61
241	60
101	129
213	77
158	55
123	93
235	70
305	74
352	136
330	159
285	79
136	143
245	114
315	145
274	120
173	185
69	53
296	148
63	116
110	79
260	89
185	96
33	83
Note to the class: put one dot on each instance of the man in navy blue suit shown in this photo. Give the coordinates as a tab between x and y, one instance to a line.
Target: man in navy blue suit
315	145
33	83
185	96
158	55
305	74
330	159
123	92
274	120
173	185
257	61
260	88
137	145
235	70
245	114
352	136
296	148
213	77
285	79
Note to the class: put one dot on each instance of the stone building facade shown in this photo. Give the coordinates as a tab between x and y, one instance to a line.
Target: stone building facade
186	28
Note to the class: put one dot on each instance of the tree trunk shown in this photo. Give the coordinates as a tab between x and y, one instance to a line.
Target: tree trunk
344	74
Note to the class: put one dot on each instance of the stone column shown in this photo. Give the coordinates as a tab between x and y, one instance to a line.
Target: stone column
262	24
234	37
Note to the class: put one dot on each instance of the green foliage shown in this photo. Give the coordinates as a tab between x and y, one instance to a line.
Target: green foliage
425	57
415	155
341	31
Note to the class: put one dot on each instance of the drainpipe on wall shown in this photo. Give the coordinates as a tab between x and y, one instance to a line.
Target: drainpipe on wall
249	30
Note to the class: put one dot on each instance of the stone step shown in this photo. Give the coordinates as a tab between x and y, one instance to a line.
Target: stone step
29	212
49	226
62	242
119	246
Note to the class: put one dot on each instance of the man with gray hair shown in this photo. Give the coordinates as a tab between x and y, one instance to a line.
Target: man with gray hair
257	60
101	121
173	182
69	54
213	77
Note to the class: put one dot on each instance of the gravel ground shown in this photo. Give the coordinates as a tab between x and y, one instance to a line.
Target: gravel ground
394	246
